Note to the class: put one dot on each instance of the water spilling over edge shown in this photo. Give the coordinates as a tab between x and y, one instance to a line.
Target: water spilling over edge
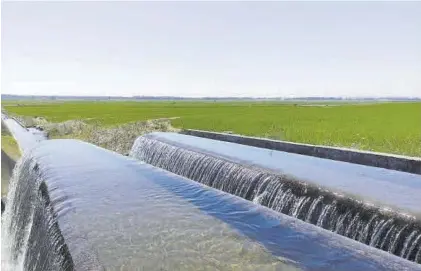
72	204
384	229
50	198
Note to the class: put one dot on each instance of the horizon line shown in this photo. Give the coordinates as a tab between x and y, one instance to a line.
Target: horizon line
214	97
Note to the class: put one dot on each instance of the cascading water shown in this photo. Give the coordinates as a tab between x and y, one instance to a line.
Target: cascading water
31	238
385	229
74	206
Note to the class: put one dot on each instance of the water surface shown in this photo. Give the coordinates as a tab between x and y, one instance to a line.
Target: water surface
119	214
394	189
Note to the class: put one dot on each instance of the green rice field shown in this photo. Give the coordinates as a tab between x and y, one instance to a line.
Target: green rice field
383	127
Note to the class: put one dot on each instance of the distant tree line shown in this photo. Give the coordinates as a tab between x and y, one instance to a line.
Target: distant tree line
175	98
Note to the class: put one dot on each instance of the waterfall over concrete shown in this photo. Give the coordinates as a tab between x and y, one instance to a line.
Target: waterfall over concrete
375	223
74	206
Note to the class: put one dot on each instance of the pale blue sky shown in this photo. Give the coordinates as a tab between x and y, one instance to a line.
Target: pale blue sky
212	48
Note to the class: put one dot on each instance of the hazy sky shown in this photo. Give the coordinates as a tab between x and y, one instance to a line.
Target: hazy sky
211	48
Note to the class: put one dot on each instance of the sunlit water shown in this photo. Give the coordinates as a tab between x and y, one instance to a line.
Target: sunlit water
315	190
75	206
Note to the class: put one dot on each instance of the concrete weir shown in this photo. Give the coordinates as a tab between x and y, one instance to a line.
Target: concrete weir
382	160
374	206
75	206
85	208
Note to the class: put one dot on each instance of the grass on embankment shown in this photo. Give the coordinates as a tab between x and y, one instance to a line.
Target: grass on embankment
8	143
9	155
383	127
118	138
9	146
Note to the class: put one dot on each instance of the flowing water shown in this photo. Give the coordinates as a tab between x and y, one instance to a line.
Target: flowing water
74	206
387	221
26	138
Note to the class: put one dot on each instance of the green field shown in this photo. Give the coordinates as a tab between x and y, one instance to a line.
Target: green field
384	127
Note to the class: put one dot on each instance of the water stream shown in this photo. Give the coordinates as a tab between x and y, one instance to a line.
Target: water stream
25	137
331	206
74	206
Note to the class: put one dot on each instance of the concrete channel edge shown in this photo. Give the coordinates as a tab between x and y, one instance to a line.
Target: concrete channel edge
374	159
